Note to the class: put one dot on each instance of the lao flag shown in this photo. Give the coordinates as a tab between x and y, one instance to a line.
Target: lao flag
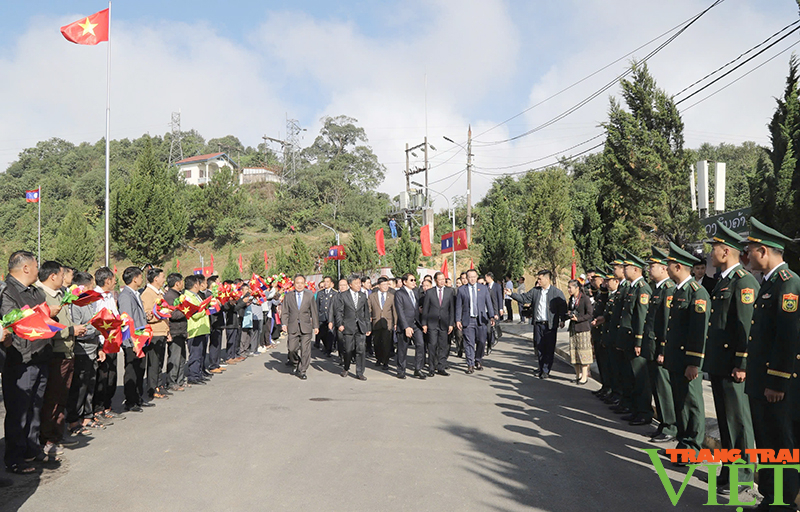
32	196
460	238
447	243
336	252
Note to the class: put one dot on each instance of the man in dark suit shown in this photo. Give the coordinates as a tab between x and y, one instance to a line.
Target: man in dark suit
353	321
699	274
300	322
131	303
474	312
496	293
409	327
438	318
549	310
384	319
324	299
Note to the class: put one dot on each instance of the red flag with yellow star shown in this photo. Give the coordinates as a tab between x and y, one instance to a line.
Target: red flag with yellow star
90	30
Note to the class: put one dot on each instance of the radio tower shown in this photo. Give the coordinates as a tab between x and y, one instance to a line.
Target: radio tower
290	151
175	146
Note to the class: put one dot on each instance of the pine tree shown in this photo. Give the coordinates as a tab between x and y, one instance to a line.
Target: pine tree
75	245
146	222
644	193
231	270
549	222
256	264
361	258
406	255
283	263
300	257
502	251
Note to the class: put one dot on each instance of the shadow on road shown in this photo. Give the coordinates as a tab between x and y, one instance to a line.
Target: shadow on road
562	449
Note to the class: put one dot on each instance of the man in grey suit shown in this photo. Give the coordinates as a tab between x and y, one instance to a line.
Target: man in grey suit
131	303
549	309
351	315
474	312
300	322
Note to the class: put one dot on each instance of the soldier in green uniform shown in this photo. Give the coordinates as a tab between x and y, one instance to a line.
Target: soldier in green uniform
655	336
612	286
685	349
773	352
615	356
600	297
732	303
634	312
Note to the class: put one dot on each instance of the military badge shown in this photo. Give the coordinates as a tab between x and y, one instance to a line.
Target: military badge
644	299
748	295
669	302
789	303
700	306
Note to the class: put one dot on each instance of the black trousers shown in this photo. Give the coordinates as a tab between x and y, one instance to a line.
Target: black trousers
155	362
232	336
84	378
402	350
382	338
438	348
106	385
544	340
355	348
326	337
133	379
176	364
509	311
194	370
214	348
774	430
601	356
23	396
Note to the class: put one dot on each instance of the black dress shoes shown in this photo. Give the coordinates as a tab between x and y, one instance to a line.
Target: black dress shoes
431	373
639	421
344	373
478	366
418	374
147	404
302	376
628	417
135	408
469	370
401	375
361	377
386	366
443	372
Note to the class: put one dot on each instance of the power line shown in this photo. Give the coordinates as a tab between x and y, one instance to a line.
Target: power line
544	157
572	157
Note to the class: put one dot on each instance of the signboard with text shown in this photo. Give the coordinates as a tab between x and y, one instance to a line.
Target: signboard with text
736	220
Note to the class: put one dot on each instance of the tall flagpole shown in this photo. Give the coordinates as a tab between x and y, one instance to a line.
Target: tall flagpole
108	128
40	224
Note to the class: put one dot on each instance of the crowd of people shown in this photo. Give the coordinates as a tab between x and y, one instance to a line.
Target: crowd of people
653	339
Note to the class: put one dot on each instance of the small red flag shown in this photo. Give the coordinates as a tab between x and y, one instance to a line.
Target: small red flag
574	269
471	265
266	261
445	270
460	240
380	243
241	266
90	30
177	264
115	270
425	239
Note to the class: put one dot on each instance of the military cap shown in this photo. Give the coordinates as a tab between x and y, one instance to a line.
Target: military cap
728	237
619	259
762	234
632	259
658	256
678	255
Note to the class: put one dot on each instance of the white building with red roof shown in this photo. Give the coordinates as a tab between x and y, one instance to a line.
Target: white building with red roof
198	170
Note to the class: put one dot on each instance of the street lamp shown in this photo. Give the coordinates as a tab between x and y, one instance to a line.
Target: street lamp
452	216
202	267
338	262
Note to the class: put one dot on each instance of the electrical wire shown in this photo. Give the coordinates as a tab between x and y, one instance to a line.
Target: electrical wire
544	157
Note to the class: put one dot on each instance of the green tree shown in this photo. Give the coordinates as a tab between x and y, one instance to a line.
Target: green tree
283	263
502	251
405	256
231	270
146	222
216	208
548	218
75	245
361	257
587	228
300	258
256	264
644	193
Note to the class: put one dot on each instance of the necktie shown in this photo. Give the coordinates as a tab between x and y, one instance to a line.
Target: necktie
413	299
299	299
383	299
440	296
472	301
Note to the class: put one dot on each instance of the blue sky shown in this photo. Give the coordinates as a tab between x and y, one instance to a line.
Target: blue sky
241	67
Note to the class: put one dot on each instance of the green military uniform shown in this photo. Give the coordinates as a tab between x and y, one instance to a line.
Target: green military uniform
607	342
600	353
726	348
685	346
634	313
773	362
655	336
615	355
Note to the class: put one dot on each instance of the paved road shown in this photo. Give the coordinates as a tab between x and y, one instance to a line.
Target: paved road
259	439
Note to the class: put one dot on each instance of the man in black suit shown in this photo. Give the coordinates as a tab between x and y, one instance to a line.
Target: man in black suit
699	274
438	318
496	293
324	300
353	320
474	312
409	326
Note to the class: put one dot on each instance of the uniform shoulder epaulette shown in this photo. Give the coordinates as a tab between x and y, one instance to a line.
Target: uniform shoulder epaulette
741	272
669	284
785	274
694	285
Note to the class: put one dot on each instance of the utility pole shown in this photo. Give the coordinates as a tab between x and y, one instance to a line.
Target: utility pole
408	175
427	194
469	185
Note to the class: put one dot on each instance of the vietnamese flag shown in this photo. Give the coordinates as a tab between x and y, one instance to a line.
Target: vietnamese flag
90	30
460	238
29	324
44	311
425	239
379	243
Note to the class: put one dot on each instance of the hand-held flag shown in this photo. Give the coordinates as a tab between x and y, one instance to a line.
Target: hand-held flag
90	30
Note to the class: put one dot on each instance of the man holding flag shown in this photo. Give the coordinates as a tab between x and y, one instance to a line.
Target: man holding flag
25	370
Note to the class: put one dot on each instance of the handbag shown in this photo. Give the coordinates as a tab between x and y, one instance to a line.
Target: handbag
498	331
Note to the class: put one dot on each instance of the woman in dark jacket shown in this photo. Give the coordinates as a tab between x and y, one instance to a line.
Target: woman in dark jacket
579	315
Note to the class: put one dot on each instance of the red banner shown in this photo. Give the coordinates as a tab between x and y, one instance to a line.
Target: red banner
379	243
445	270
425	239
